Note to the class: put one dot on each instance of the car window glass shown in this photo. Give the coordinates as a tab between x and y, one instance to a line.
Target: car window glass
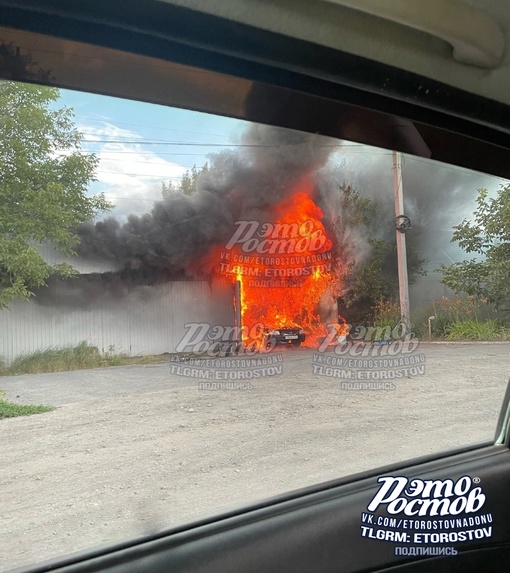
202	304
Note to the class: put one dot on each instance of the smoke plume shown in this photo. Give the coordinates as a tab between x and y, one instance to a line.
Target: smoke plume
179	229
245	183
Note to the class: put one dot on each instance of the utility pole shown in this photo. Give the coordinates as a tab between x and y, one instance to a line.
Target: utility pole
402	223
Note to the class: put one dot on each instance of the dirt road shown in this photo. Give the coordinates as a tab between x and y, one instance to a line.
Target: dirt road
134	449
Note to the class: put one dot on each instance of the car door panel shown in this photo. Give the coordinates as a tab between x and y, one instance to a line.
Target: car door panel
319	531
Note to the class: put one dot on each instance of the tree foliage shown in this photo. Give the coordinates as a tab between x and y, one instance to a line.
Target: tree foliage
486	276
43	186
187	185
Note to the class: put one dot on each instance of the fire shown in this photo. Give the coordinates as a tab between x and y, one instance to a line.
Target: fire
243	302
284	265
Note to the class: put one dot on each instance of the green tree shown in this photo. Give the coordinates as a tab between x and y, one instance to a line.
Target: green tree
44	177
188	183
488	236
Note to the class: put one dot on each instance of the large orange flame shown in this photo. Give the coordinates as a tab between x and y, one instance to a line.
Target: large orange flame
284	265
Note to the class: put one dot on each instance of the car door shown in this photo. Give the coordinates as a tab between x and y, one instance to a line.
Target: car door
444	510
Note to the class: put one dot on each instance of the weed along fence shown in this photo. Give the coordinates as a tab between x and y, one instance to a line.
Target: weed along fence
147	320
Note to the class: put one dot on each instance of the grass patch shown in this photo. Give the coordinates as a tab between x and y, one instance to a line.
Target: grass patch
462	319
56	360
11	410
476	330
79	357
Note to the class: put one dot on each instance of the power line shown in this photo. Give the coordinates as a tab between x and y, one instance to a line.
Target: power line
102	171
225	146
114	123
194	143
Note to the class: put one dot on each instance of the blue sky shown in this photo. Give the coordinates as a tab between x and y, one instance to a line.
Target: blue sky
141	145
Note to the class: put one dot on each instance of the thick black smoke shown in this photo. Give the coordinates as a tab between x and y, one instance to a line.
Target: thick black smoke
436	198
242	184
179	229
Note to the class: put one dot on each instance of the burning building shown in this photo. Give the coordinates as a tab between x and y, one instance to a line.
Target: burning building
284	265
255	220
257	231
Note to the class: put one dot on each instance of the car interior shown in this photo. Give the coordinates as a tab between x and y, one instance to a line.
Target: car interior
429	80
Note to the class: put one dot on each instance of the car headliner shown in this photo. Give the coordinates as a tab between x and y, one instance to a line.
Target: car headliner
326	23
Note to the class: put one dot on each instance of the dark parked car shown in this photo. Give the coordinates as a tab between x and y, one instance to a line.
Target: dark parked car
286	335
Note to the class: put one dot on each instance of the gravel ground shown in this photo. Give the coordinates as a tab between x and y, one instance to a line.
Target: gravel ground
130	450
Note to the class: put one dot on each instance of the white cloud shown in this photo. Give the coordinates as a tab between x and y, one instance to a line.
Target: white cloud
130	173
